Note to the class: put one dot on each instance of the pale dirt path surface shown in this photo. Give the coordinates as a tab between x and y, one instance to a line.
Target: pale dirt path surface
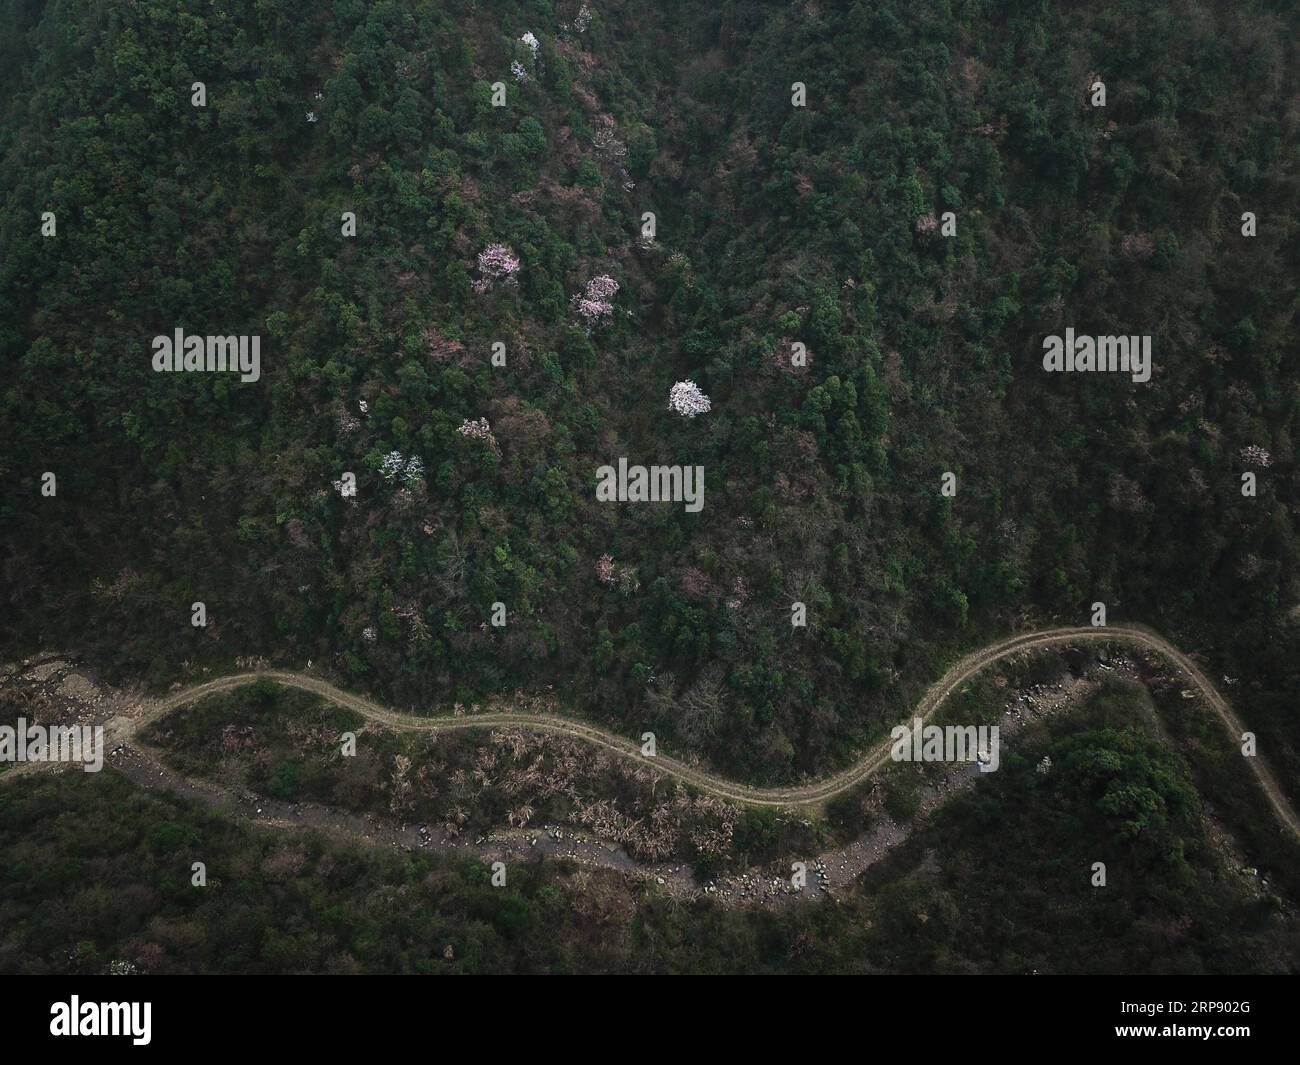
814	794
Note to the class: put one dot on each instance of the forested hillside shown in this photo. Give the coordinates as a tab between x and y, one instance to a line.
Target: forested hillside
993	884
775	225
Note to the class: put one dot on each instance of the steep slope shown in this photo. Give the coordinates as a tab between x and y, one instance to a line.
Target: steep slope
775	225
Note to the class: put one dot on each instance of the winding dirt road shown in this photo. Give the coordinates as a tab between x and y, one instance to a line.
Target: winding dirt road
814	794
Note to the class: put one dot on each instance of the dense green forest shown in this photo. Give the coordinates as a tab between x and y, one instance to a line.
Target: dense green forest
776	225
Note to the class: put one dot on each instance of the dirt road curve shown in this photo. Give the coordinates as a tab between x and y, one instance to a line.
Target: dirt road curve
807	795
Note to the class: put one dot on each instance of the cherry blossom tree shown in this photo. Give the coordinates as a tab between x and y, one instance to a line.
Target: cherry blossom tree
605	569
740	593
497	262
409	470
393	464
605	139
478	429
595	304
687	400
622	577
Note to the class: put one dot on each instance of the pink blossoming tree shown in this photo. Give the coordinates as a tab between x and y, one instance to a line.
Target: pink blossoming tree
496	262
595	303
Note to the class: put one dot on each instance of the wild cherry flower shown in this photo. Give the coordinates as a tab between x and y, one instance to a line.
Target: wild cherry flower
414	472
393	464
623	578
687	400
605	569
409	470
595	303
478	429
497	262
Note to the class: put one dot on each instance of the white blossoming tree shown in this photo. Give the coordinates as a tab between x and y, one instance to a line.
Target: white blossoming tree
479	429
1254	455
410	471
687	400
